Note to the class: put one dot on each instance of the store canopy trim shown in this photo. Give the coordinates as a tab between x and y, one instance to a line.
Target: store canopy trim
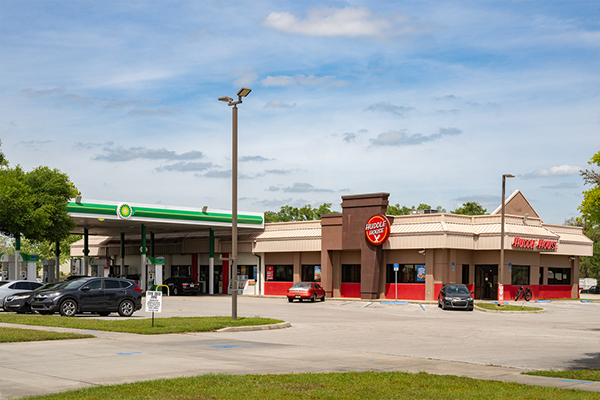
107	218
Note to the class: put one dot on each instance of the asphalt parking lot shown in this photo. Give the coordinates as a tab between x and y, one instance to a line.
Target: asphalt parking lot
336	335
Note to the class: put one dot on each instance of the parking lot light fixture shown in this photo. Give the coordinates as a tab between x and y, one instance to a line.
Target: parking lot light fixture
243	92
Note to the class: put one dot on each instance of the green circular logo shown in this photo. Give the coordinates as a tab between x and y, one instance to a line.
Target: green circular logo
124	211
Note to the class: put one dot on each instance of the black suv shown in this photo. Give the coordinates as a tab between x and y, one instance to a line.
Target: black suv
90	294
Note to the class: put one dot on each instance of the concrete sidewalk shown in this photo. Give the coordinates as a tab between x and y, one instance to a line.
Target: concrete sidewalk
114	358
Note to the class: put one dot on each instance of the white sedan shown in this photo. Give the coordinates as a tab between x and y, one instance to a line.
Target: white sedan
16	286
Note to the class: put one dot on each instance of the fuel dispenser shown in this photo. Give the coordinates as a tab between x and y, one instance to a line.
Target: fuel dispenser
29	266
99	266
77	266
3	267
48	270
23	268
154	268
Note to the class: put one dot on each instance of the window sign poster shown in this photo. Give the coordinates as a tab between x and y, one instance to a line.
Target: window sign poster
317	273
269	272
420	273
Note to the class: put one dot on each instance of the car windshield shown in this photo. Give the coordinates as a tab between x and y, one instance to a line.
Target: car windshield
457	289
301	285
73	284
47	286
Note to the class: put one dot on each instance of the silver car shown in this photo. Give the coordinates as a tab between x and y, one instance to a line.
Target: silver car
16	286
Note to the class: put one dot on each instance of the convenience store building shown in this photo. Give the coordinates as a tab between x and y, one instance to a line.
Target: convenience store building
354	253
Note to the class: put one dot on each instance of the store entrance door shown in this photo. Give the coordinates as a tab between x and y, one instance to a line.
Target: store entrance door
486	282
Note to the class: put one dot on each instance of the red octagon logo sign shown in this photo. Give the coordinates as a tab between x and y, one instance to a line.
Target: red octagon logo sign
378	229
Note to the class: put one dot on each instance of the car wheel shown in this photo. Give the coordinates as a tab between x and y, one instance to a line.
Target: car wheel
290	300
323	298
104	313
126	308
443	306
68	308
313	298
175	291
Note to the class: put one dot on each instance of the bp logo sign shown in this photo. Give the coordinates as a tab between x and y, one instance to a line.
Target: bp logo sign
124	211
378	229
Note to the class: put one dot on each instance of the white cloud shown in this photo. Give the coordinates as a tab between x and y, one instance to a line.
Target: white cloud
554	171
389	108
323	21
120	154
402	138
302	80
279	104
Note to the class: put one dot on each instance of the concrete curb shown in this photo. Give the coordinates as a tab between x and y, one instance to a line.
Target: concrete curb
281	325
509	312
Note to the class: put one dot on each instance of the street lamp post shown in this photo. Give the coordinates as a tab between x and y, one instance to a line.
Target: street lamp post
501	269
243	92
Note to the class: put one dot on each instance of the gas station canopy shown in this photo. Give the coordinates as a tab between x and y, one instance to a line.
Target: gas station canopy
112	218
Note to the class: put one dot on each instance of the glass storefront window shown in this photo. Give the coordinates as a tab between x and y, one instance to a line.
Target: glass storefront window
407	273
519	275
283	273
311	273
559	276
351	273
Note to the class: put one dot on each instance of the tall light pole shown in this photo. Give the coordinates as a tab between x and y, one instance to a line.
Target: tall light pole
501	269
243	92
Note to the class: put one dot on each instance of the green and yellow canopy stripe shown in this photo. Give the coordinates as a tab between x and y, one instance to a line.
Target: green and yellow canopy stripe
162	214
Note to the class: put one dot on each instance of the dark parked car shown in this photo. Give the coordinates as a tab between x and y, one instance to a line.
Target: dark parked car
455	296
72	277
21	302
592	289
182	285
97	295
306	291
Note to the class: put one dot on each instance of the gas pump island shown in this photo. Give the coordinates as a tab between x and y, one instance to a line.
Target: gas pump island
19	266
114	219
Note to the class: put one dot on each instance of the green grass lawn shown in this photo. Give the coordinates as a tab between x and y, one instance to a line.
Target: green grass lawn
8	335
342	386
581	375
506	307
141	326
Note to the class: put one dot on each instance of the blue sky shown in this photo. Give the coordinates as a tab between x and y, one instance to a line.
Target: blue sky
430	101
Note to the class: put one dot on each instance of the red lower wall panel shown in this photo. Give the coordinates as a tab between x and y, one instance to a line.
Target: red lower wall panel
406	291
277	288
350	290
540	291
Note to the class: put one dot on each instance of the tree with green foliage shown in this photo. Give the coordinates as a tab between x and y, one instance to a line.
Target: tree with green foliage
589	267
590	206
305	213
470	208
404	210
3	160
590	219
33	204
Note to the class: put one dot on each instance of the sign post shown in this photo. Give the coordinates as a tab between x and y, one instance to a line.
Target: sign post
396	268
153	303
